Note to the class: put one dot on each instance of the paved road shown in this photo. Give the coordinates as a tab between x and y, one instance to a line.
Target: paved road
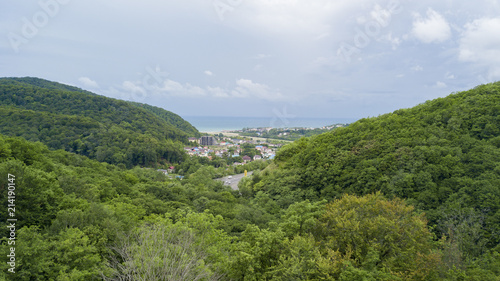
234	180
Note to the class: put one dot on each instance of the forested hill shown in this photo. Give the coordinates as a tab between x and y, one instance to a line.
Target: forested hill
171	118
80	219
109	130
443	156
45	84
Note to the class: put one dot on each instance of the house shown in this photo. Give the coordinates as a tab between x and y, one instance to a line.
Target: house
247	158
165	172
257	157
171	169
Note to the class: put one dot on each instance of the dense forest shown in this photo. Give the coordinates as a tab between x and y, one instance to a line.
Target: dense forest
442	156
109	130
411	195
171	118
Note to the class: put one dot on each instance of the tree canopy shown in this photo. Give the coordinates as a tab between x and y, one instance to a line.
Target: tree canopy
411	195
109	130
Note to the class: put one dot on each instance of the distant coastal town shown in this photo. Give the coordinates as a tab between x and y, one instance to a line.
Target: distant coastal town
289	134
250	144
239	150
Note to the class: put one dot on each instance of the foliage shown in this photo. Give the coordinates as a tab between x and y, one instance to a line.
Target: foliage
69	255
442	156
353	238
328	208
65	199
288	133
105	129
171	118
166	251
376	235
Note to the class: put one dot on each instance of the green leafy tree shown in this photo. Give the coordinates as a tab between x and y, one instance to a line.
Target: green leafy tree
370	234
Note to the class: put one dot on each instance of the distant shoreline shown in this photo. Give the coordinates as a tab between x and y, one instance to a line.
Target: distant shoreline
227	133
211	124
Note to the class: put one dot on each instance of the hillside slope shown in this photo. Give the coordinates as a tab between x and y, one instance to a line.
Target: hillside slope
443	156
171	118
106	129
71	210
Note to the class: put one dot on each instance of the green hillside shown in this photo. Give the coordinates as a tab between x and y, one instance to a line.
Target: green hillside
71	211
411	195
109	130
79	219
45	84
171	118
443	156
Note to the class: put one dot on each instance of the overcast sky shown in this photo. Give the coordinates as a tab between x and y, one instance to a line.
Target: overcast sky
306	58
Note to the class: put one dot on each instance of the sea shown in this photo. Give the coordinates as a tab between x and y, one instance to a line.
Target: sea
221	123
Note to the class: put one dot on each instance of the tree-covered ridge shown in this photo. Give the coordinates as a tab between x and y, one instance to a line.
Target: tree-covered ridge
105	110
443	156
45	84
71	211
83	135
79	219
171	118
109	130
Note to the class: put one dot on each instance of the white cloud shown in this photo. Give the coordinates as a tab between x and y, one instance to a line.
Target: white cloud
87	82
395	42
417	68
218	92
178	89
248	88
244	89
132	87
433	29
480	44
127	91
208	73
440	85
299	21
381	15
